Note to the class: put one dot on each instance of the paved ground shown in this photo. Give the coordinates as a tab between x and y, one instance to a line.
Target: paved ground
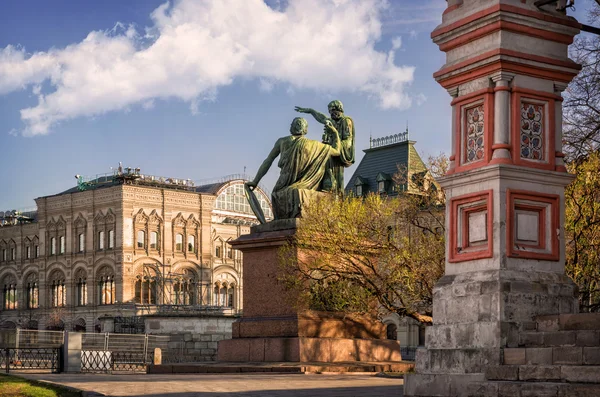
230	385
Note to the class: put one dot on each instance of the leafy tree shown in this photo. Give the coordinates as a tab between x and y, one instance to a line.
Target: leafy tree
582	227
362	254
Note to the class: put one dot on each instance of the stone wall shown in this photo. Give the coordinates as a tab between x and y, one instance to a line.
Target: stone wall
192	339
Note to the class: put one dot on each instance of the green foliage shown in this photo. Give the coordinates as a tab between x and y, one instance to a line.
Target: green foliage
368	253
582	227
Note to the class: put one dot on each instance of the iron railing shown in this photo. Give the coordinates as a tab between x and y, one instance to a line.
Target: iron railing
408	353
30	359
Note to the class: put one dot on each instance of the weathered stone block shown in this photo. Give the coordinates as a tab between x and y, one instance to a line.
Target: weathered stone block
490	287
587	338
482	389
539	390
560	338
540	372
531	339
205	338
509	389
548	323
581	390
591	355
187	337
502	372
580	374
569	355
212	345
514	356
538	355
485	308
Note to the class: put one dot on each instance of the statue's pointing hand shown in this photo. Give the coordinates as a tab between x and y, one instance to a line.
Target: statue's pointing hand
302	110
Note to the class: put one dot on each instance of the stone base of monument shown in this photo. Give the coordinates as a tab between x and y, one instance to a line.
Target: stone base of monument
273	329
505	333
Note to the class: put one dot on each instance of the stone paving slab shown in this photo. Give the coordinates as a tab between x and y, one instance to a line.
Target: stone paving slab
228	385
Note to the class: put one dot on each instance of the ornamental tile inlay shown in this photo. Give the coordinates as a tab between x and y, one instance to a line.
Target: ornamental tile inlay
475	143
532	131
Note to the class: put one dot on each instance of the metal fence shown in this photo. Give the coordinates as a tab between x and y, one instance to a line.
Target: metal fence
408	353
119	352
36	359
25	338
100	352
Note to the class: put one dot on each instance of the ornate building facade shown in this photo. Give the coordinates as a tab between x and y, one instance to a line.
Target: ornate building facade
125	245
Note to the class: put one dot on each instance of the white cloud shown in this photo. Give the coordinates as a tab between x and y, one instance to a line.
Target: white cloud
396	43
13	132
197	46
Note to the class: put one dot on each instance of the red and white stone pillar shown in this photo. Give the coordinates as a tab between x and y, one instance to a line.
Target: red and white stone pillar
506	65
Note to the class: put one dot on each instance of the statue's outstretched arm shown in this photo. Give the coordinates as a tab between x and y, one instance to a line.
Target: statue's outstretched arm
320	117
264	167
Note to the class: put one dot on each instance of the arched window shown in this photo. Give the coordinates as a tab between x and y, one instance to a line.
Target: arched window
184	288
62	244
392	331
81	246
101	240
146	291
81	292
141	239
58	296
9	293
106	286
111	239
191	243
218	251
32	291
153	240
179	242
52	245
233	198
230	295
79	325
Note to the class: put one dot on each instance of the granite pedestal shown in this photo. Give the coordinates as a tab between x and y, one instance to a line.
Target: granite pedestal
273	329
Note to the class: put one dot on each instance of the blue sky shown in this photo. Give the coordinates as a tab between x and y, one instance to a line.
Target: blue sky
200	89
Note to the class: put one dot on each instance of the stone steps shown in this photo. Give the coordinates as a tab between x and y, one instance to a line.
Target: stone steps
545	373
531	389
559	338
558	355
567	322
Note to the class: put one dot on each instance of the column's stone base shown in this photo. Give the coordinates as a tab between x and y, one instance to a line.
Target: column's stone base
476	316
429	385
308	350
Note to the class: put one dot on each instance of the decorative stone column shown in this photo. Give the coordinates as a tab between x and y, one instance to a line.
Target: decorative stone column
501	146
505	62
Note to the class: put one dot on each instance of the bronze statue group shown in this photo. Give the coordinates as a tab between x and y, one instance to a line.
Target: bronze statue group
309	167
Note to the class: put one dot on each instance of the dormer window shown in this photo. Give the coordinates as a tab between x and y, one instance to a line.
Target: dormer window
383	182
359	186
